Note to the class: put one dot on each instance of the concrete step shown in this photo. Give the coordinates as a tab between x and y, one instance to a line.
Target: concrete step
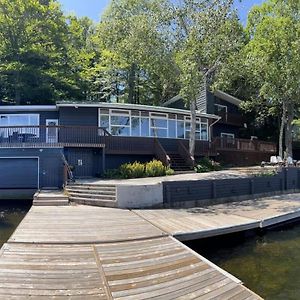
93	202
90	191
93	196
102	185
90	187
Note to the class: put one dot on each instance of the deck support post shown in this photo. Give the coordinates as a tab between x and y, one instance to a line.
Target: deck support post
103	160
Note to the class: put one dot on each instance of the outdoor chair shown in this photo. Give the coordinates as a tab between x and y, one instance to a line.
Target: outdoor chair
290	161
273	162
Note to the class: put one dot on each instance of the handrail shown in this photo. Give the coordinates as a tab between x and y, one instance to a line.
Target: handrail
184	153
161	154
67	169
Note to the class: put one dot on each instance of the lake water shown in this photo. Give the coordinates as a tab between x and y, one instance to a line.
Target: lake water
11	214
268	263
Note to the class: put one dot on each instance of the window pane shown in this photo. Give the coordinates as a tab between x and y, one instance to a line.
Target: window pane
144	127
187	126
204	132
135	126
3	121
16	120
197	136
172	128
122	131
119	120
180	129
104	121
158	132
161	123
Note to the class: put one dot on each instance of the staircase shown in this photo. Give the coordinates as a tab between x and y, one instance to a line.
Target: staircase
50	198
178	164
92	194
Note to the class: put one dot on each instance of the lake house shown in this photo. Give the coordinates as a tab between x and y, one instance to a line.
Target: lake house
38	142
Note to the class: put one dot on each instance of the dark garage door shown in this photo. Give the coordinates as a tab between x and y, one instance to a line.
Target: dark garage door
18	173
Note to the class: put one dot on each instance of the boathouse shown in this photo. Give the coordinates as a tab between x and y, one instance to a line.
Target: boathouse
36	142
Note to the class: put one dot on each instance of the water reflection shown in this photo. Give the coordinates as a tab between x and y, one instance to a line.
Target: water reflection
267	263
11	214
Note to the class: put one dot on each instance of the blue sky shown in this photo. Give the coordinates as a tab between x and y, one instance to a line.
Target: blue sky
94	8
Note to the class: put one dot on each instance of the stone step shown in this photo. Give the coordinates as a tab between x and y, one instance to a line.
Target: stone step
93	202
90	191
93	196
90	187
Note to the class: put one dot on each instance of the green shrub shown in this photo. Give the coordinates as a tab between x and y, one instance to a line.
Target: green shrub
139	170
169	171
112	173
266	174
132	170
155	168
207	165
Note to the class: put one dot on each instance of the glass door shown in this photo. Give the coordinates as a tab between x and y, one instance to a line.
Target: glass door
51	131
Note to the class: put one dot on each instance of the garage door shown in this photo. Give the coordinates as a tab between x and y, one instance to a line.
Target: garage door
19	173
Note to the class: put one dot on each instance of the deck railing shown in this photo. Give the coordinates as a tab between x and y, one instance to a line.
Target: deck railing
51	136
243	145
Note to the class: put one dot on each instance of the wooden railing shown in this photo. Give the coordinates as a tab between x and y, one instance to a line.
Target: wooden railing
31	136
129	145
185	154
160	153
243	145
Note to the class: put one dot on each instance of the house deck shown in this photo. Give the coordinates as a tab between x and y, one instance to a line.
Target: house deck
113	254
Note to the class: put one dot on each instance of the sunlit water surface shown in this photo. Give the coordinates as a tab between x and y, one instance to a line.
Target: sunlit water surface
11	214
268	263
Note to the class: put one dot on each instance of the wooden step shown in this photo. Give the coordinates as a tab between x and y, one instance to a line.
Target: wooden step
93	196
93	202
50	202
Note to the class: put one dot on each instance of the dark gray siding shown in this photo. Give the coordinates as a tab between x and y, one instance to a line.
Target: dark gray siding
50	171
82	116
218	128
86	162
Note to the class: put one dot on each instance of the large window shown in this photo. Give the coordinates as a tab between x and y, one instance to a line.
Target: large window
201	128
159	125
19	120
151	124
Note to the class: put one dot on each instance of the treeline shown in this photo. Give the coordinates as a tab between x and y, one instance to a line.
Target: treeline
147	51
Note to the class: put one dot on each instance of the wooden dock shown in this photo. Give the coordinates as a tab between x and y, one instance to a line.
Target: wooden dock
81	252
197	223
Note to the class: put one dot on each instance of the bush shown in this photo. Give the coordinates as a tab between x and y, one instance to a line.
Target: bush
139	170
207	165
169	171
112	173
132	170
155	168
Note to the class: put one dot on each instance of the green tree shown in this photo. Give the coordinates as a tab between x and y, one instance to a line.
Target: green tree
206	34
34	59
271	60
134	34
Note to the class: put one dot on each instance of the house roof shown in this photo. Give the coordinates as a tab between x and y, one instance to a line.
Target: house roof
226	97
222	95
28	108
136	107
